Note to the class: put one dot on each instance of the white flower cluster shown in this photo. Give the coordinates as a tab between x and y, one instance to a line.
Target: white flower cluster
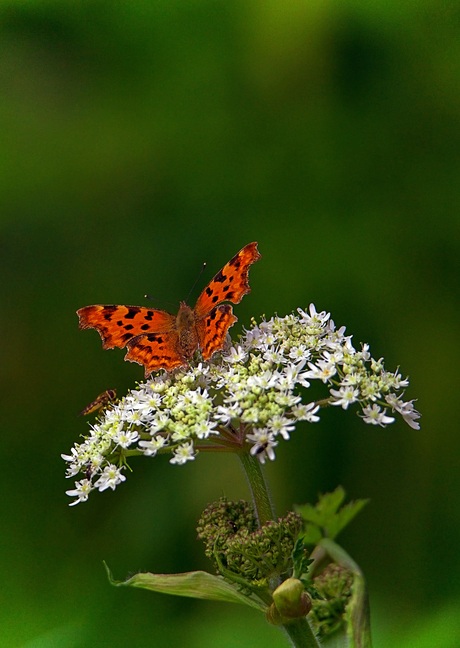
244	401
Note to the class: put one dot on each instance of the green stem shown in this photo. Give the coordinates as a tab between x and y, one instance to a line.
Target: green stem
298	631
258	486
300	634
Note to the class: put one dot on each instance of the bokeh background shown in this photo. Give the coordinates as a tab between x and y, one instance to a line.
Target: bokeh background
139	139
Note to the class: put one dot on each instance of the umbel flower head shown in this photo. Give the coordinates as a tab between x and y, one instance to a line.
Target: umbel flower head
245	400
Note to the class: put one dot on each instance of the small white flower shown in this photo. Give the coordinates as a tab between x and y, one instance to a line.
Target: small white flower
306	412
200	371
113	415
264	442
265	380
323	370
313	317
365	353
133	416
411	417
183	453
406	409
286	377
226	414
203	429
280	425
158	422
334	356
377	365
299	352
199	397
352	379
395	381
236	355
159	384
345	396
274	357
110	478
374	415
286	399
81	492
125	438
74	461
370	388
150	448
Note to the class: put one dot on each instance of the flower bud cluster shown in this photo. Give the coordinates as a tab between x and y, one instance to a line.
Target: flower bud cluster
221	520
238	547
334	588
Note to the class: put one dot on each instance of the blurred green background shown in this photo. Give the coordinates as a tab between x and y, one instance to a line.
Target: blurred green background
139	139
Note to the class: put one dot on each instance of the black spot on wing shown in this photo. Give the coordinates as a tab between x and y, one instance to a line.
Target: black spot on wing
132	312
109	310
220	277
235	262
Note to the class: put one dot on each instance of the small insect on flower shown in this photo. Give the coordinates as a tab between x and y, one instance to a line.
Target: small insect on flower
101	401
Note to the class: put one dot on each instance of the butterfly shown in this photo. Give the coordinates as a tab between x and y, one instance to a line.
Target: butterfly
101	401
159	340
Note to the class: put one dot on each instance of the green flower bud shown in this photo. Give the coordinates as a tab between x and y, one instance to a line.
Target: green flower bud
290	602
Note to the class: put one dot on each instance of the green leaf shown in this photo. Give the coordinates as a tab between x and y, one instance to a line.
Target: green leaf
197	584
326	507
300	558
343	517
327	518
312	534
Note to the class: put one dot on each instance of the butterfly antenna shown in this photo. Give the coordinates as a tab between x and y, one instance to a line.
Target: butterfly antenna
153	298
196	281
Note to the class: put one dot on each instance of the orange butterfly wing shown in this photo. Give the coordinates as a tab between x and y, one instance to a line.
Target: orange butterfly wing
156	351
159	340
212	329
229	284
117	325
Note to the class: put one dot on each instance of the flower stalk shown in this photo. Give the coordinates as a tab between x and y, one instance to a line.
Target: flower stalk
300	634
298	629
258	486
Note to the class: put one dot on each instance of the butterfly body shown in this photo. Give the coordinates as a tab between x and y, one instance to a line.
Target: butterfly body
160	340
